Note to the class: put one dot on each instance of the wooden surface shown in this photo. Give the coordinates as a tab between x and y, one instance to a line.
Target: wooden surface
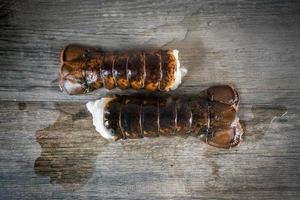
50	150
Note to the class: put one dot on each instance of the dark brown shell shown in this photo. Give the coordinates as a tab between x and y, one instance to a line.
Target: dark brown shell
215	121
86	69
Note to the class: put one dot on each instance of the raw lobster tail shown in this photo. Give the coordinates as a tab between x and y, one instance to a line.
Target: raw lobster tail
212	116
86	69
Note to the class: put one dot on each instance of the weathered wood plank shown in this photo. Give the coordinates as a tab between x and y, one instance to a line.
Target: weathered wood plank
253	45
51	150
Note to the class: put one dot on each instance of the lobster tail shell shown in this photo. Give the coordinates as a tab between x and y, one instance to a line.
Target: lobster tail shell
86	69
140	116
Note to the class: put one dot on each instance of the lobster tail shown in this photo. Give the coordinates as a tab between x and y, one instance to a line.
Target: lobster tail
86	69
151	116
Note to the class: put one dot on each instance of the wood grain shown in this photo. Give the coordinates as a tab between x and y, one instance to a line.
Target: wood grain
50	150
254	45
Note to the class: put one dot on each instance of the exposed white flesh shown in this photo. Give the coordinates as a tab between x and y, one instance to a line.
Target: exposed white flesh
180	71
96	108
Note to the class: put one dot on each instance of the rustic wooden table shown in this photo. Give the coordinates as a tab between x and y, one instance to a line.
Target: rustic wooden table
50	150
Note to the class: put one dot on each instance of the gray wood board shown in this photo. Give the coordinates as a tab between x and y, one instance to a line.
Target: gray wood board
50	150
253	44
